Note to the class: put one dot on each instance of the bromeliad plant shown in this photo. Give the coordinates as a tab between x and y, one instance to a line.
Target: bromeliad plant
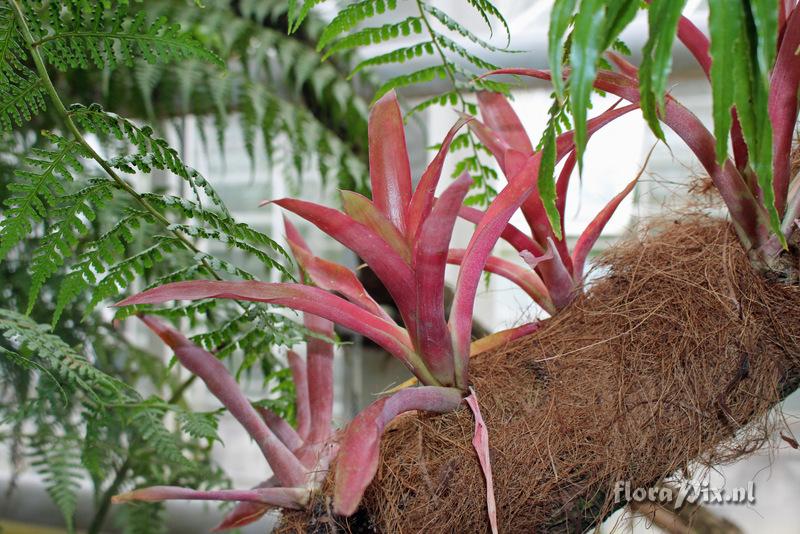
752	63
557	273
403	234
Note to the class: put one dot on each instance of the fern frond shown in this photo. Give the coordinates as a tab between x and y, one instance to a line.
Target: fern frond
200	425
143	518
21	97
370	36
58	244
424	75
58	461
400	55
449	44
453	25
49	352
486	10
86	34
38	187
147	420
152	152
352	15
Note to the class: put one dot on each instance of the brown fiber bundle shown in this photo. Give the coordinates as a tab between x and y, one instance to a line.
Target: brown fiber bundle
675	354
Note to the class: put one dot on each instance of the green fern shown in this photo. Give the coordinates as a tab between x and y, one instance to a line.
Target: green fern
81	34
200	425
56	358
58	461
39	186
61	240
352	15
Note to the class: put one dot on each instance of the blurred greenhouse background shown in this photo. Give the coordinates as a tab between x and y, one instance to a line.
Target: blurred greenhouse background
614	157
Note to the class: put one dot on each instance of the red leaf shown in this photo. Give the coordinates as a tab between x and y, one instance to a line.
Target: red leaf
589	236
481	443
293	498
222	385
511	234
501	117
430	260
361	209
357	462
299	297
526	279
423	198
331	276
592	232
392	270
783	108
487	232
562	185
623	65
389	170
246	512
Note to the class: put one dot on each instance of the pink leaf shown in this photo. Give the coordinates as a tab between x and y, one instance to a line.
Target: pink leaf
592	232
296	296
526	279
331	276
511	234
319	358
486	234
501	117
783	104
293	498
562	186
423	198
247	512
489	138
481	443
696	42
498	339
389	170
282	430
361	209
222	385
390	267
358	457
430	259
300	378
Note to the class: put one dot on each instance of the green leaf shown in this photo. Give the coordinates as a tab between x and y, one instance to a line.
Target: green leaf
546	181
586	48
725	25
662	17
351	15
560	17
